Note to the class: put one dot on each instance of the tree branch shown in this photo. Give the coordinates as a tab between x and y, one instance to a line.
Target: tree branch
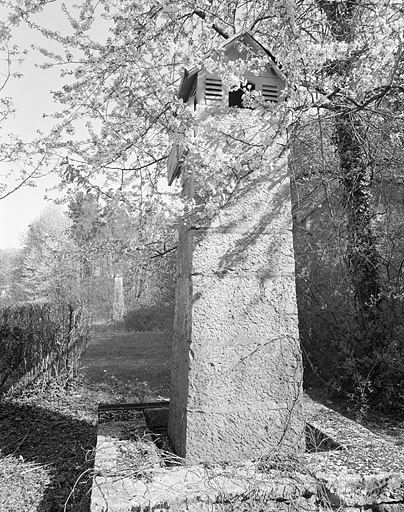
217	29
23	181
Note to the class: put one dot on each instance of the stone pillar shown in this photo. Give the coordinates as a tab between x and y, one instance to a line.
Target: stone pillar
236	378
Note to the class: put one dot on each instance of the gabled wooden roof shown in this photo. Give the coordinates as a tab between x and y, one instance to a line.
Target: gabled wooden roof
248	39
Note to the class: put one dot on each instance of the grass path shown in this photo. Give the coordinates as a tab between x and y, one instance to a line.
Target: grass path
47	435
129	364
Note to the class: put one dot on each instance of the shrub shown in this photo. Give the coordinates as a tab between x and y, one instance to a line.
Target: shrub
156	317
40	341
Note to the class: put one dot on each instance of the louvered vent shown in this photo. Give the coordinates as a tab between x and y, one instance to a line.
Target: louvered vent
213	89
270	92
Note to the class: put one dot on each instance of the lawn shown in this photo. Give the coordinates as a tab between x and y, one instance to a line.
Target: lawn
129	363
47	436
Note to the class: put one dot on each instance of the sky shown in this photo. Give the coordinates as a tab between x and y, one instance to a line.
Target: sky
32	98
18	210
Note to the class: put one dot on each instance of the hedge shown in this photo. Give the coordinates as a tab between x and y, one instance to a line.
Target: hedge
40	341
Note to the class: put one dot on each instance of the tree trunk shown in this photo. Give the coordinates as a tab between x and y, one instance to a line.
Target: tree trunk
356	180
119	304
355	173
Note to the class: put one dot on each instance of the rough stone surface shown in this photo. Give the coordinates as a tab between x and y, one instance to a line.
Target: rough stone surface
364	473
236	364
368	472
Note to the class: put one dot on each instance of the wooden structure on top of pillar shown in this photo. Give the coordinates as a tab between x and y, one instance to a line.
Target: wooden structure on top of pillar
200	88
236	378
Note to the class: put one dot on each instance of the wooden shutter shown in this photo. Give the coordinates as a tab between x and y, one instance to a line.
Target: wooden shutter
270	92
213	89
192	97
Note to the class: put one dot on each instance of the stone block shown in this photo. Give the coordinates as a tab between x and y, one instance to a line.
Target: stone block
237	370
233	253
234	432
236	307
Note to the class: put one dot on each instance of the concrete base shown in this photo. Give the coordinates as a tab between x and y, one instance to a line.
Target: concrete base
349	468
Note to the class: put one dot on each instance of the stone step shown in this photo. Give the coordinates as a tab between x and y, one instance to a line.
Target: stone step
352	469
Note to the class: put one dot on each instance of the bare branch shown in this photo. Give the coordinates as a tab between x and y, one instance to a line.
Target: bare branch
217	29
23	181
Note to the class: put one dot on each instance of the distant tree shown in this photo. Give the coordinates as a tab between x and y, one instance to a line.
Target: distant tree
113	241
47	266
8	259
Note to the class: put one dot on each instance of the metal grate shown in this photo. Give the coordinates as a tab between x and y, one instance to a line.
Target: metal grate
270	92
213	89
